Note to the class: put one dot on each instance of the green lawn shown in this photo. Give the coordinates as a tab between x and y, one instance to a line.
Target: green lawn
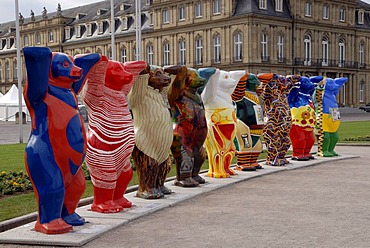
11	159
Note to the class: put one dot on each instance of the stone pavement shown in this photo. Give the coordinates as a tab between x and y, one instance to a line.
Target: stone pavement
317	206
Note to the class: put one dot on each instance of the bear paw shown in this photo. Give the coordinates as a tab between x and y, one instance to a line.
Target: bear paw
57	226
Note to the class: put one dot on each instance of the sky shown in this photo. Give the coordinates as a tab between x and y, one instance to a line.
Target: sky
7	11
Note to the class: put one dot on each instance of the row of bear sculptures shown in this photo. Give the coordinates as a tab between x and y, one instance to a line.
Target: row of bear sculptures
146	112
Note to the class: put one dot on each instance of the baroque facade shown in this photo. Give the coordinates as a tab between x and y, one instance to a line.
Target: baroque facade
305	37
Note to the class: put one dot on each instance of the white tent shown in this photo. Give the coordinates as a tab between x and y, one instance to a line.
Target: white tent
1	95
9	105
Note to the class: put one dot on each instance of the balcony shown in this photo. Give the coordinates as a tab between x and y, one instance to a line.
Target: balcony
328	63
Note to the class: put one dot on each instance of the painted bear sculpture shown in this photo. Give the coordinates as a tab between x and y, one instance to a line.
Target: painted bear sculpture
110	135
250	123
221	121
328	115
154	132
190	129
279	121
57	145
303	117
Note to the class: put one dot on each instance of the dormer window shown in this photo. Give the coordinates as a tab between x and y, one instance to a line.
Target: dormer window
147	2
80	15
262	4
8	44
151	19
67	33
101	12
124	23
279	5
78	31
101	28
361	17
89	29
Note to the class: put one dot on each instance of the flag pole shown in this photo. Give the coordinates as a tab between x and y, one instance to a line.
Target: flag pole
138	29
19	68
113	29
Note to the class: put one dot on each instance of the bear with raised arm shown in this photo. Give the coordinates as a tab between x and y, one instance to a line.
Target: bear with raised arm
57	145
303	117
154	132
221	121
191	128
110	135
328	115
250	123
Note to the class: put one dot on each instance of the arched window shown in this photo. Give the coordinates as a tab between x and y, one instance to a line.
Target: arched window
166	53
216	48
264	47
307	49
238	46
198	50
182	52
342	52
51	35
149	53
325	51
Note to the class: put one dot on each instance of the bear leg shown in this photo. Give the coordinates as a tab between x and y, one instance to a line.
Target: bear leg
121	186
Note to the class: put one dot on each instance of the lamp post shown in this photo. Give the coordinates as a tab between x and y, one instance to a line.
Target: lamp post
19	68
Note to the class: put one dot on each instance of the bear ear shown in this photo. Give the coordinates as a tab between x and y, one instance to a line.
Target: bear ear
316	79
206	73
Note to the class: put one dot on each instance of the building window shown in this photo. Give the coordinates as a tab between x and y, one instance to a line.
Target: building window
361	54
182	14
38	38
89	29
216	6
67	32
51	36
166	53
151	19
147	2
198	9
217	48
15	70
308	9
166	15
26	40
342	14
135	53
182	52
360	17
325	12
199	51
262	4
78	31
110	54
362	90
1	72
342	52
264	47
280	48
7	71
279	5
238	46
124	23
123	54
100	27
325	51
149	52
307	49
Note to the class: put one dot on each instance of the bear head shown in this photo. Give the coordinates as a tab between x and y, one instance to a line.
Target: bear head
63	72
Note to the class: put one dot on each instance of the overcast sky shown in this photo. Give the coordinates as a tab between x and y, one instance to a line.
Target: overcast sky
7	12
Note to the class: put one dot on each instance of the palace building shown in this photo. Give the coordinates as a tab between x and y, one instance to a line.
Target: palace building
305	37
